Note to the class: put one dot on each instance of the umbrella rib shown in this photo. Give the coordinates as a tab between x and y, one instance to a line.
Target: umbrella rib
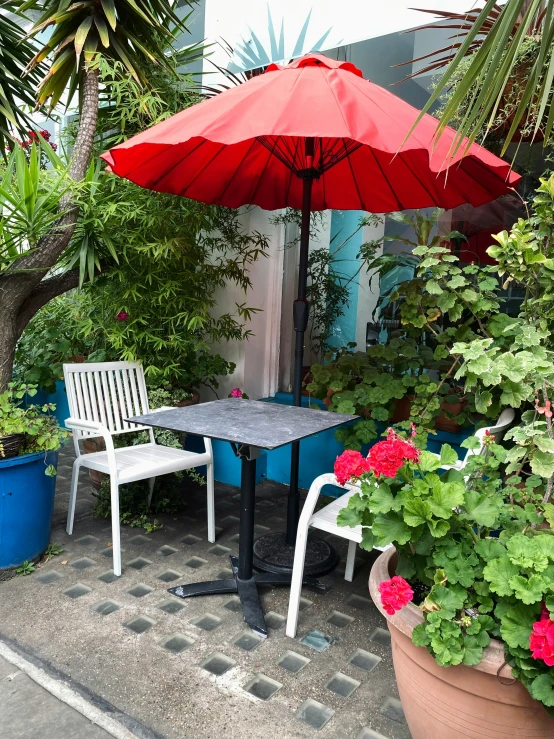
204	167
291	170
400	206
405	163
353	176
269	157
179	162
239	165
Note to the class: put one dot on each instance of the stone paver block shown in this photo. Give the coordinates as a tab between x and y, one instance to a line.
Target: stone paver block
366	733
207	622
140	624
196	562
219	551
218	663
83	563
47	578
365	660
392	708
177	643
304	603
108	577
190	539
169	576
108	552
274	620
356	601
140	540
340	620
233	604
381	636
247	641
342	684
225	574
140	590
317	640
171	606
314	714
166	551
262	687
292	661
105	607
86	541
76	591
139	563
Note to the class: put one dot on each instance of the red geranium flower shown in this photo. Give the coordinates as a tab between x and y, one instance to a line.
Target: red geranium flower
541	641
387	457
122	316
350	464
395	594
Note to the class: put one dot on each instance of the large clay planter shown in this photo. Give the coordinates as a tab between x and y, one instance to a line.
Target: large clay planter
456	702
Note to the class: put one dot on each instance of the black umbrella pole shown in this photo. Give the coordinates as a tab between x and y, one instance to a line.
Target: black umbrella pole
301	309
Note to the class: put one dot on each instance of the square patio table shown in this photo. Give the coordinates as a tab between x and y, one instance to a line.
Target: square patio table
250	426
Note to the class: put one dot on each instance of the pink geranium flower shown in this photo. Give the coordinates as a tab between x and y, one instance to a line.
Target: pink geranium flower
350	464
122	316
541	641
395	594
236	393
387	457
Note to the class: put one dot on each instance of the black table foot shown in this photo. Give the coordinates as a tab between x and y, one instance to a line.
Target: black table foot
272	554
247	591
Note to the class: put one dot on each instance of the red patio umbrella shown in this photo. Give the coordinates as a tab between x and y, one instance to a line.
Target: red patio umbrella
311	135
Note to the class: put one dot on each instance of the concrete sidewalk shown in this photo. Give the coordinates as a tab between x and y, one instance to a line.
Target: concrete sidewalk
30	711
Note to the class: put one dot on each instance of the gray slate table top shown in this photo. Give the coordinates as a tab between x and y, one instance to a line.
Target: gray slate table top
252	422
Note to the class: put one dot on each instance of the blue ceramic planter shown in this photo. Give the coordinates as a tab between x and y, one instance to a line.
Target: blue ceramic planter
26	506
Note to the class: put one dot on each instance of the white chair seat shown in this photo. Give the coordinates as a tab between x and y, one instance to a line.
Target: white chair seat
144	460
326	519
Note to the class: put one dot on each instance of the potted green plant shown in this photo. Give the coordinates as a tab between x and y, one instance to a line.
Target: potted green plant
468	586
27	475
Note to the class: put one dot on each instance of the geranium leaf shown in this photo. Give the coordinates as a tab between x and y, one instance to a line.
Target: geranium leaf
498	573
416	512
528	590
458	570
448	455
516	626
381	500
481	508
542	463
391	528
542	689
489	549
446	496
438	528
473	651
349	517
419	636
368	540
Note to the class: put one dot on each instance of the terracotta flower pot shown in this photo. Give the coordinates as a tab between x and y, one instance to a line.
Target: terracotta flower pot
443	423
190	401
456	702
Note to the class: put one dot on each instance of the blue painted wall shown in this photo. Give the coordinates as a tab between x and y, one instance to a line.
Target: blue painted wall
343	224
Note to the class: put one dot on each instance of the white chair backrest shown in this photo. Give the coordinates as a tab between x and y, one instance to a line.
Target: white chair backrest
504	420
106	393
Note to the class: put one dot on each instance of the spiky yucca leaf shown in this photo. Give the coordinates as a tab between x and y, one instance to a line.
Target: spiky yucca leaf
127	31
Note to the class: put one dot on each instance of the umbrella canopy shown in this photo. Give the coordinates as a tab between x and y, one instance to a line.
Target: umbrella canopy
246	145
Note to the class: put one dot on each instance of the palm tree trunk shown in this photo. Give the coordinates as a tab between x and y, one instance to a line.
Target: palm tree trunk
20	294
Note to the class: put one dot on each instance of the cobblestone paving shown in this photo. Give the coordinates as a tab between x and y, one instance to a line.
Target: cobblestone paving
192	668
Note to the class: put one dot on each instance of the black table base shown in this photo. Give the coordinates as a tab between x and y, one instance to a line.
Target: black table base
273	554
245	582
247	591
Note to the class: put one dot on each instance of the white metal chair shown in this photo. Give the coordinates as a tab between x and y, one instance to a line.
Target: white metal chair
101	396
505	419
326	518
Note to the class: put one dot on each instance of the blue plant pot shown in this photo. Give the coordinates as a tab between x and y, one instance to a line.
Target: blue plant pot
26	507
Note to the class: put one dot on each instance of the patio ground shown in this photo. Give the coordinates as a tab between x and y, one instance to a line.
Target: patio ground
192	668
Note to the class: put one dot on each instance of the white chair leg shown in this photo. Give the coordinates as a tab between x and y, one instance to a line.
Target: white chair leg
296	581
116	537
350	561
210	503
73	496
151	483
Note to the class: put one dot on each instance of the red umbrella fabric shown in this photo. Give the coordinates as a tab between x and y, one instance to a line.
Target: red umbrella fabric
245	145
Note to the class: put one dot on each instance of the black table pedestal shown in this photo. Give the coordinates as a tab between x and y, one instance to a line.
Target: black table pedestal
272	553
245	581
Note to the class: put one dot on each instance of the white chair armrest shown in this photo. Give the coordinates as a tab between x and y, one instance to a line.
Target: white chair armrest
92	427
313	494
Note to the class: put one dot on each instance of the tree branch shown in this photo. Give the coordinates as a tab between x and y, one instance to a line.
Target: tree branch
43	293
